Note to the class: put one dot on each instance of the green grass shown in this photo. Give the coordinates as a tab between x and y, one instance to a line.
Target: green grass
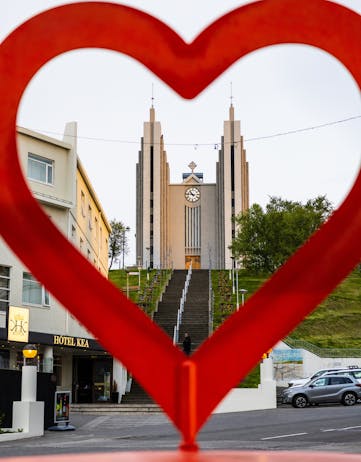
148	294
337	320
335	323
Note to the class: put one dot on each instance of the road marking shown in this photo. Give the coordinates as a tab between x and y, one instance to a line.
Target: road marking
283	436
95	422
340	429
349	428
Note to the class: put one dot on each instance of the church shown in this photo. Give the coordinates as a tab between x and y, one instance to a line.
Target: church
190	222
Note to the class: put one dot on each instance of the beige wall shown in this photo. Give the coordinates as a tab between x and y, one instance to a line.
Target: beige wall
60	193
89	228
207	202
62	206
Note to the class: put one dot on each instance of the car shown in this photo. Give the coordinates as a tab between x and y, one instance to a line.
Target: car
326	389
301	382
351	372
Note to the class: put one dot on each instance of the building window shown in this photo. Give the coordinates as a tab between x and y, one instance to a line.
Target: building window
58	369
90	213
82	203
73	232
40	169
88	254
33	292
4	287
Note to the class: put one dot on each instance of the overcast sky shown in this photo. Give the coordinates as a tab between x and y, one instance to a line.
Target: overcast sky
276	90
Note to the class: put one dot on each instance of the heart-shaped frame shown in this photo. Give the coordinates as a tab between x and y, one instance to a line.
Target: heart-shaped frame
190	388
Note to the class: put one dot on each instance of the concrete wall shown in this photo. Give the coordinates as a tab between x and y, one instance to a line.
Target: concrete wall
309	365
251	399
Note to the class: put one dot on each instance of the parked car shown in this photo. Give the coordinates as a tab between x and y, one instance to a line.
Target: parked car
351	372
325	389
301	382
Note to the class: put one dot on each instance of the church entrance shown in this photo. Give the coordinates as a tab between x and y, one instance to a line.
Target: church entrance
195	260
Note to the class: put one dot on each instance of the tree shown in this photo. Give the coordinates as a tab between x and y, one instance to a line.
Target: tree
118	241
266	239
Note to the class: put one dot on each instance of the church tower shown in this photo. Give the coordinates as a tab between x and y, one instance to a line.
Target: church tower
232	186
190	222
152	181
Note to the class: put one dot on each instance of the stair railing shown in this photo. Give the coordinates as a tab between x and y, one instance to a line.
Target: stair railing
210	304
181	305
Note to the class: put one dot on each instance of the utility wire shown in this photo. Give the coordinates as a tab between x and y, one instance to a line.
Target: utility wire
216	144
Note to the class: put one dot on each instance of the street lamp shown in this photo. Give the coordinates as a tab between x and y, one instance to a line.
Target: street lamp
29	352
233	286
243	291
146	261
124	231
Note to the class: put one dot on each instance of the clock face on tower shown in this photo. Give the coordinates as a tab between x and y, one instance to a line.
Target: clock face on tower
192	194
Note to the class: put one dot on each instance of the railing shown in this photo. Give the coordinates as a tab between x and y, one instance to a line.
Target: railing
323	352
181	306
168	276
210	304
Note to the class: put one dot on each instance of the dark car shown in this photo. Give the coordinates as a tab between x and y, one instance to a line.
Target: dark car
325	389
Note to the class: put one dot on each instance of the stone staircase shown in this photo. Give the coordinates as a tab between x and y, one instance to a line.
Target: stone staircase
194	321
111	408
166	316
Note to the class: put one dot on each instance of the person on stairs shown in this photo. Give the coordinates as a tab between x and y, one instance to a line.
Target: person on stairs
187	344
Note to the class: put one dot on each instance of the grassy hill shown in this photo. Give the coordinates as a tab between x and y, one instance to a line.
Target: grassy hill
336	323
147	294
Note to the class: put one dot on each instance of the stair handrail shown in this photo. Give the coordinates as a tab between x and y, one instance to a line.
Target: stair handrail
210	304
181	305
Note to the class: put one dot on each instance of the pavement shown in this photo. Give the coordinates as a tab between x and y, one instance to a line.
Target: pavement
323	428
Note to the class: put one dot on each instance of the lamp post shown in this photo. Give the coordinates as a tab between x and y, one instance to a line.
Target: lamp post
233	285
29	352
124	231
146	261
243	291
28	413
237	296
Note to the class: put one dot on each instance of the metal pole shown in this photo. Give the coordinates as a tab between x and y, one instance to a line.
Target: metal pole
237	296
233	287
123	245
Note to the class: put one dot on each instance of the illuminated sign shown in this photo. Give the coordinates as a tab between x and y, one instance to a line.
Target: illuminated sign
62	406
76	342
18	327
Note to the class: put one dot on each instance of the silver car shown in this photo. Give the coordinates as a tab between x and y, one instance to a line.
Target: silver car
325	389
301	382
351	372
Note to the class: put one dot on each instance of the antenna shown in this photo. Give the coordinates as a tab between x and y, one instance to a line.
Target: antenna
231	97
152	95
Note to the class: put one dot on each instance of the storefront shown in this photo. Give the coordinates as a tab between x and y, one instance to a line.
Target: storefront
92	378
80	365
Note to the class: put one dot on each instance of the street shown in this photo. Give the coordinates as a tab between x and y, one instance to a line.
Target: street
325	428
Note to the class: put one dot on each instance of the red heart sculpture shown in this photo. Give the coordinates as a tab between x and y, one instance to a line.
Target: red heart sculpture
187	389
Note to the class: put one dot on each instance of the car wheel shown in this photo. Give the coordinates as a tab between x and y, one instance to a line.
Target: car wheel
299	401
349	399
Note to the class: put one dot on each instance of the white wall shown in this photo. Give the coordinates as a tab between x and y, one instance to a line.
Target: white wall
252	399
311	363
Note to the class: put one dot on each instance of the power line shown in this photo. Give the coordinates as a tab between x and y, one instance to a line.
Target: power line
216	144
